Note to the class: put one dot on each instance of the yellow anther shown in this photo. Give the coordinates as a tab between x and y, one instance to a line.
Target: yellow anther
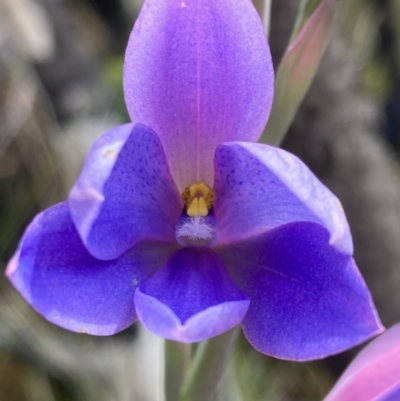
198	207
193	208
202	209
198	199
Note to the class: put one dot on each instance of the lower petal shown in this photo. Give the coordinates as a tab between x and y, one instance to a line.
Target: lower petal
192	298
56	274
307	299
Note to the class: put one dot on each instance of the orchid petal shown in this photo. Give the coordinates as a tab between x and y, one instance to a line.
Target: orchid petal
259	187
191	299
392	395
199	73
125	193
307	299
54	272
374	375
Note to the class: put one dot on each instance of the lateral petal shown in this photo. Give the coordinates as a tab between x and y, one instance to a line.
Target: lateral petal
259	187
125	193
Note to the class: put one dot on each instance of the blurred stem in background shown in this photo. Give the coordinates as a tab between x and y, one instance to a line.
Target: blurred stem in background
208	367
299	65
176	361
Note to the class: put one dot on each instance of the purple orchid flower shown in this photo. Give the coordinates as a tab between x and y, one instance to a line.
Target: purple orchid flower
181	220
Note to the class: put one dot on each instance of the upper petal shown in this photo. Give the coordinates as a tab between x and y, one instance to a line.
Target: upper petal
307	300
54	272
199	73
374	375
125	193
192	298
259	187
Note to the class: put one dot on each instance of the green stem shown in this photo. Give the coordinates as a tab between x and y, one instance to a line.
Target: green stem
208	367
177	358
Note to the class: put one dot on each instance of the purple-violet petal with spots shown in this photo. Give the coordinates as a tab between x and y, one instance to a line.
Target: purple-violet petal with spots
259	187
199	73
192	298
125	193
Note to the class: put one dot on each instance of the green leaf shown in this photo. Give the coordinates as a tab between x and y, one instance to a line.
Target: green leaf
307	8
299	66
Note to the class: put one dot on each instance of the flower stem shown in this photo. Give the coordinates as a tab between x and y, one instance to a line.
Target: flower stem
177	358
208	367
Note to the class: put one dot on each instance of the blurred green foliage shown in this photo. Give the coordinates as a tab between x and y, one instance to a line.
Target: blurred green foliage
264	378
